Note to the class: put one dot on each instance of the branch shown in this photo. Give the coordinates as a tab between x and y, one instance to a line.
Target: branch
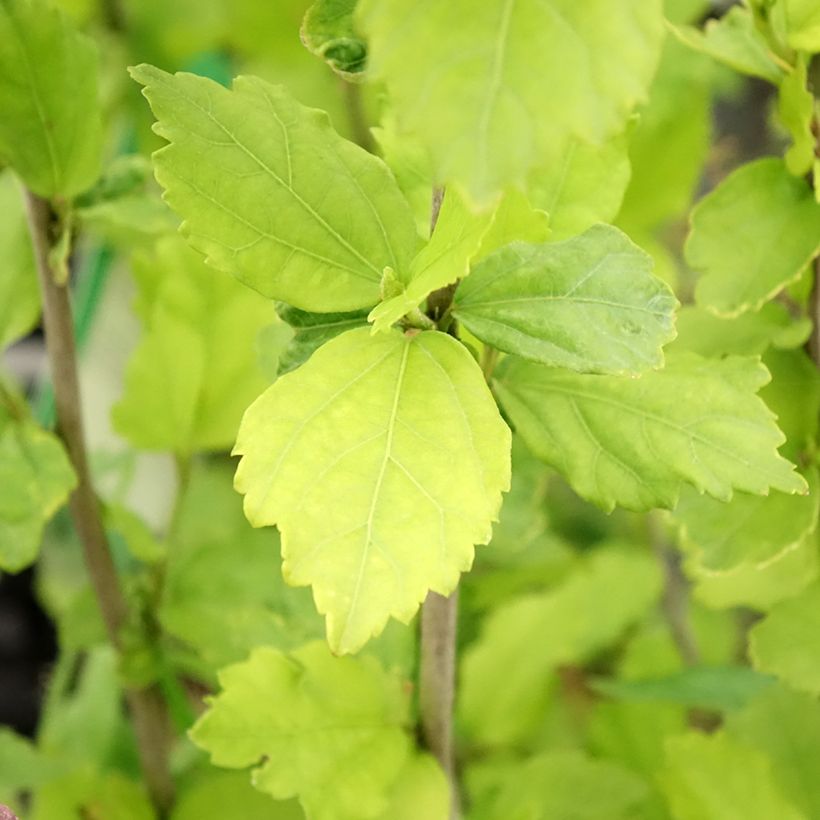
147	709
439	621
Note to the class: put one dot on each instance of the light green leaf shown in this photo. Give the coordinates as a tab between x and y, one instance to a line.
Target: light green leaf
514	218
758	587
750	529
584	185
503	681
283	203
35	481
19	294
787	642
328	32
800	21
229	796
311	331
420	489
669	144
332	732
50	132
635	442
589	304
720	688
701	332
751	236
712	777
567	785
421	790
88	793
255	606
785	726
472	101
443	260
736	41
795	107
194	371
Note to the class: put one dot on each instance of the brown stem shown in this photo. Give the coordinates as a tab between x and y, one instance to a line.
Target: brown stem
439	621
147	712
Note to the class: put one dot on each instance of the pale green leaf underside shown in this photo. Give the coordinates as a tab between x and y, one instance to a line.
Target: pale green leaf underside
635	442
420	489
460	76
331	731
751	236
35	480
270	193
443	260
50	129
194	370
589	304
736	41
714	777
750	529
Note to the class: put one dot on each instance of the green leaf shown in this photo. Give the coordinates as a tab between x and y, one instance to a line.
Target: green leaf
331	734
50	133
736	41
421	790
583	186
565	784
795	107
785	726
443	260
503	689
195	370
515	218
751	236
800	21
311	331
722	688
712	777
35	481
229	796
590	303
750	529
255	607
19	294
87	793
787	642
283	203
472	100
420	489
669	144
701	332
328	32
636	442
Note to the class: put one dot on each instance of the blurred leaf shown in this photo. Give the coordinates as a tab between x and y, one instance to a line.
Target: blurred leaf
716	778
328	32
504	673
50	132
752	236
796	111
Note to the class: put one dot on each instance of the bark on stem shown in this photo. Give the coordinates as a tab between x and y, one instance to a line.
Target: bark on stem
439	621
145	705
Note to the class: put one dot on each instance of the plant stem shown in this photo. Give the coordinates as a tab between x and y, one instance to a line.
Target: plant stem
146	706
439	622
359	128
437	676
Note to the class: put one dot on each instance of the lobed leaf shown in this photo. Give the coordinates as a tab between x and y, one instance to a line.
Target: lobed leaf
419	488
635	442
282	202
332	735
